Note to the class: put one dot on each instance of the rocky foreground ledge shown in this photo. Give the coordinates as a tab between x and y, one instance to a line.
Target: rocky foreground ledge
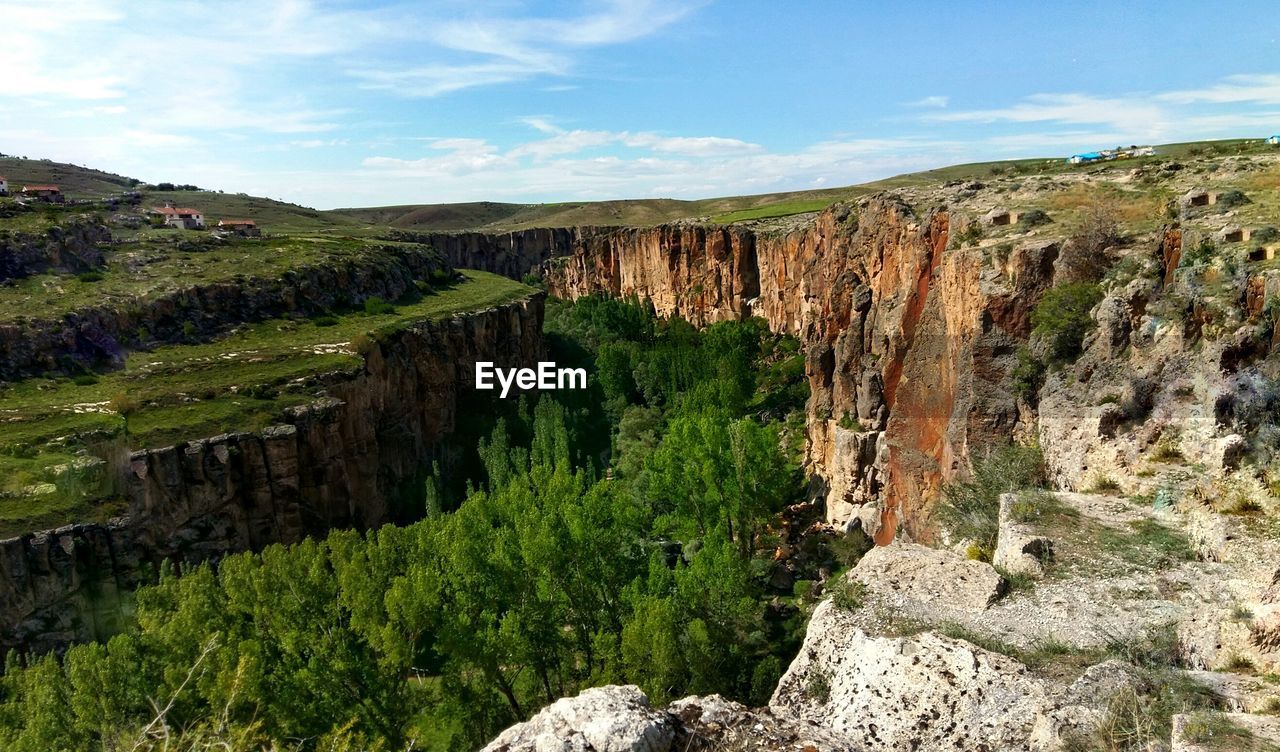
1132	622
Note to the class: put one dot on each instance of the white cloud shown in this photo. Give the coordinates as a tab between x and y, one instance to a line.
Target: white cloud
933	103
1129	114
1253	89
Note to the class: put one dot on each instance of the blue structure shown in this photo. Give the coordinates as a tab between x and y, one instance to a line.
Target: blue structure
1089	156
1274	140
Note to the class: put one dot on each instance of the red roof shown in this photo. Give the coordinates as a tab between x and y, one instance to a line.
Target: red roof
170	211
26	188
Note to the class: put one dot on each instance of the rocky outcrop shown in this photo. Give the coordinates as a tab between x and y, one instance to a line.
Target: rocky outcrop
909	345
602	719
605	719
72	247
99	335
916	572
340	462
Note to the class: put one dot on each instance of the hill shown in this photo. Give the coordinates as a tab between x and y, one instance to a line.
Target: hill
486	215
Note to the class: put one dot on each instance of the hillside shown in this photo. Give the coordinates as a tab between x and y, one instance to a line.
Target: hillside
729	209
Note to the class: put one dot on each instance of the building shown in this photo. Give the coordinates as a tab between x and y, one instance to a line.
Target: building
246	227
49	193
176	216
4	186
1274	140
1087	157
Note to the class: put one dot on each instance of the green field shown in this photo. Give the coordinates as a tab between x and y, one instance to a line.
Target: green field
240	382
155	268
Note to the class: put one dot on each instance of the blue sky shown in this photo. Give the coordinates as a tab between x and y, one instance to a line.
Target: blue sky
353	104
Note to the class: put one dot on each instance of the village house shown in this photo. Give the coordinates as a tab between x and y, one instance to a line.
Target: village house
246	227
4	186
175	216
49	193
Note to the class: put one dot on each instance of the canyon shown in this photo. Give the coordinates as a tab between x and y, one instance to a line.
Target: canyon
338	462
909	346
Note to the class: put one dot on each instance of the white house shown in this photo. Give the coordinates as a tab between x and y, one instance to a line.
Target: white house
175	216
4	186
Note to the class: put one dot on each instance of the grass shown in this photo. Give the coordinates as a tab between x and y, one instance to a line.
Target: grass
783	209
154	269
1215	731
1145	543
237	383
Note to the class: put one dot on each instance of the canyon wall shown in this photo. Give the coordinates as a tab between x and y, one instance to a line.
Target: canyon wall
338	463
99	335
72	247
909	344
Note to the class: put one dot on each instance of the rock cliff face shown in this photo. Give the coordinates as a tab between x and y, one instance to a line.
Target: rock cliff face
909	345
338	463
72	247
99	334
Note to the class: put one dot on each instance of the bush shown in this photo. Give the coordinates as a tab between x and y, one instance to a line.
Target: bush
1085	257
970	510
84	379
1027	375
1033	217
376	306
1231	199
91	276
326	320
189	330
1201	253
1061	319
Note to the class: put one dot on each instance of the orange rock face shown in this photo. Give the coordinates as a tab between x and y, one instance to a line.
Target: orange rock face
909	344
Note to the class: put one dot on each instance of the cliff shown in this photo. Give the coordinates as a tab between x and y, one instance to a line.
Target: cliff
909	345
73	247
341	462
98	335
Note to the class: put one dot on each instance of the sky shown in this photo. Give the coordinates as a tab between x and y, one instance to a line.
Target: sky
332	104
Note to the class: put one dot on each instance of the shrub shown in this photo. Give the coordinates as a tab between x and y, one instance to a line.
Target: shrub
1084	257
1061	319
1027	375
969	236
84	379
326	320
1033	217
92	276
1201	253
189	330
376	306
1231	199
849	422
847	594
851	547
971	509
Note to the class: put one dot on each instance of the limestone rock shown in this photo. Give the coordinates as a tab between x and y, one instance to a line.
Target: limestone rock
923	692
1018	549
602	719
920	573
714	724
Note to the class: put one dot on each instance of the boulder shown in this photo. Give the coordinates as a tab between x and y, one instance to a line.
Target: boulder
713	723
602	719
1018	549
920	692
920	573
